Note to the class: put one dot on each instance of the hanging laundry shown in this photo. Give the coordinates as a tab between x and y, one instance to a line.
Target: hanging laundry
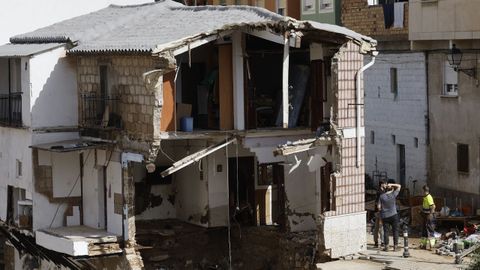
398	11
388	15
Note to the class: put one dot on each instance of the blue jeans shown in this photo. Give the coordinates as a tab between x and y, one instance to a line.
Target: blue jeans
377	230
392	221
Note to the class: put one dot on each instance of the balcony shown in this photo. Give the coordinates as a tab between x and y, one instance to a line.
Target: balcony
11	109
100	111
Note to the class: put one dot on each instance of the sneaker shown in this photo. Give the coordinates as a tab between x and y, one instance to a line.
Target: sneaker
385	248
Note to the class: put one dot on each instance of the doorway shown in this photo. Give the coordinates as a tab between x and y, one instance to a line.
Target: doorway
270	194
241	178
401	164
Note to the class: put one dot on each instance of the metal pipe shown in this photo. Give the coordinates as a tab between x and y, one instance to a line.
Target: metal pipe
358	93
9	99
285	86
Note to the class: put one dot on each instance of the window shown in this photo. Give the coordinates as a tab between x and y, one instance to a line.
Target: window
415	142
18	168
394	82
281	7
372	137
308	6
450	81
381	2
266	174
462	158
325	5
394	139
10	92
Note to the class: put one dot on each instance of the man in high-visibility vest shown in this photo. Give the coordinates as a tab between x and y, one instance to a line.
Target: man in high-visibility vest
428	208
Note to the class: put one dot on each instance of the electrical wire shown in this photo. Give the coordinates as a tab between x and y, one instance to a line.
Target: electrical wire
165	154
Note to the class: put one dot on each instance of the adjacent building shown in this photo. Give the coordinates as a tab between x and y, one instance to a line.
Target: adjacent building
395	95
234	125
453	97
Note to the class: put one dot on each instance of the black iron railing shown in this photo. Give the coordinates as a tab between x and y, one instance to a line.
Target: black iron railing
11	109
100	111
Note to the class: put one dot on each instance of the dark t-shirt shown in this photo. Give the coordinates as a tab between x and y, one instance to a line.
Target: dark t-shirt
388	204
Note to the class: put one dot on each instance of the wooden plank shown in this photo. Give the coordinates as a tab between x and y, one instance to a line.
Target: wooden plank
317	92
226	86
167	121
293	9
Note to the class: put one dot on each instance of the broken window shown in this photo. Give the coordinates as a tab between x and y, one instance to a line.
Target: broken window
462	158
450	81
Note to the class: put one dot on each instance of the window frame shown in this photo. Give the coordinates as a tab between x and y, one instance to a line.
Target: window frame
463	158
313	10
326	10
394	82
446	80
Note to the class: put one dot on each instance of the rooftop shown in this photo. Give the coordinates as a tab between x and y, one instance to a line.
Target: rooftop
142	28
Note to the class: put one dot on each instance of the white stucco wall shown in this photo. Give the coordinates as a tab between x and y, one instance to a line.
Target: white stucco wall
53	89
166	210
93	189
192	191
114	185
403	116
14	146
23	16
218	188
300	191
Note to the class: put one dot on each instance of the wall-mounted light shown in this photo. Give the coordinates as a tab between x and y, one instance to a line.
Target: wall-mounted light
454	58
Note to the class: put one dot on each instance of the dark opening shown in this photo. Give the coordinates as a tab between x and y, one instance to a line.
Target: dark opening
199	88
263	85
327	189
462	158
242	192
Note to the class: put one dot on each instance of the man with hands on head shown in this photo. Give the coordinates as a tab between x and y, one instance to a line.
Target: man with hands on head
388	212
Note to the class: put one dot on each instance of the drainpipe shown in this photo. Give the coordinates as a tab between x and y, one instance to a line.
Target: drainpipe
357	101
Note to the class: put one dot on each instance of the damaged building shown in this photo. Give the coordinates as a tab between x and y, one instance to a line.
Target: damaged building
202	136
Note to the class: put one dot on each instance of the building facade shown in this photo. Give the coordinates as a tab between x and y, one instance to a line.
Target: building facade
178	130
452	96
395	97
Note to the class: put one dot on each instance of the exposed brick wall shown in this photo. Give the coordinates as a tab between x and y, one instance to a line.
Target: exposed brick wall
349	182
136	103
369	20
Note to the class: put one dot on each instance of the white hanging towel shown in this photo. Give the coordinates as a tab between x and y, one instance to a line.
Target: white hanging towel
398	10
